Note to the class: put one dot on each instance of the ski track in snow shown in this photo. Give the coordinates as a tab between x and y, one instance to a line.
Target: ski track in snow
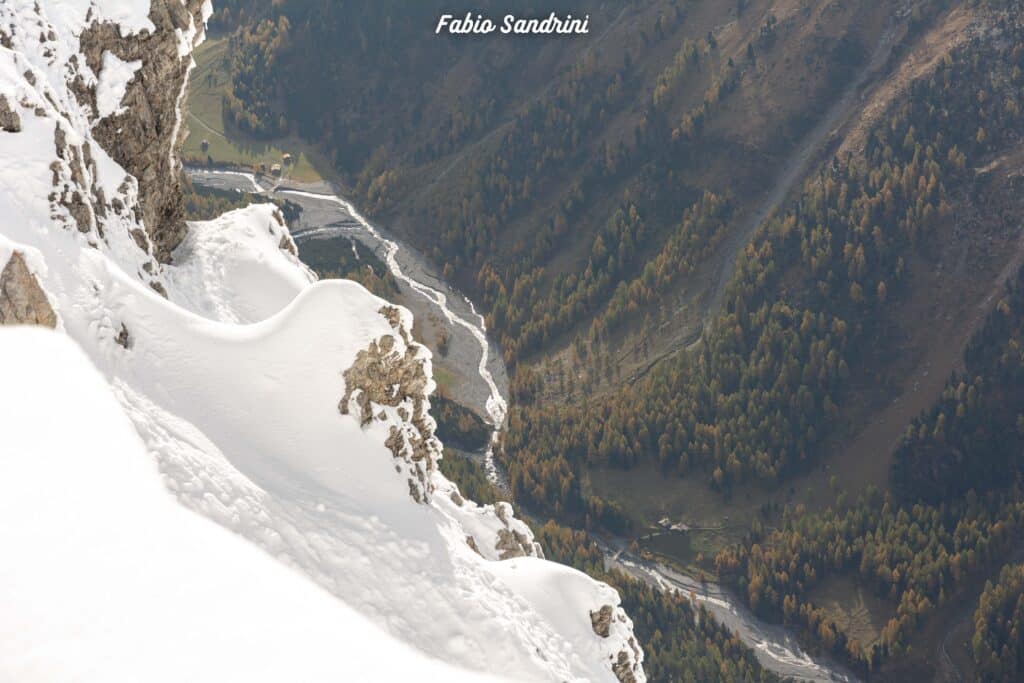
497	408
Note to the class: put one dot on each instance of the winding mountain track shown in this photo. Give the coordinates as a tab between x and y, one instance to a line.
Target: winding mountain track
797	166
948	672
718	271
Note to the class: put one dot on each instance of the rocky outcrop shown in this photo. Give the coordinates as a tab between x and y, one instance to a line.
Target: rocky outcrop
109	89
624	667
10	122
389	383
391	373
626	663
149	126
601	621
512	542
22	300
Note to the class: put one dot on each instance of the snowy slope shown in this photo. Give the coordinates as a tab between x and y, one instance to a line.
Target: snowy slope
290	412
169	596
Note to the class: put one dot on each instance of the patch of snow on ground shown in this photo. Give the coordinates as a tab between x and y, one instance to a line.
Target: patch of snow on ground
232	268
113	83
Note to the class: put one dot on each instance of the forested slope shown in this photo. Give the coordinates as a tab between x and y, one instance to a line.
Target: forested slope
573	185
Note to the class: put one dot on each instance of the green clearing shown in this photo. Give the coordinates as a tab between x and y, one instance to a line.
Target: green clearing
693	551
717	521
205	120
647	495
444	379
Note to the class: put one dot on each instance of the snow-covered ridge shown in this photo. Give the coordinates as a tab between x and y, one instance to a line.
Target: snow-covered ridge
291	412
169	597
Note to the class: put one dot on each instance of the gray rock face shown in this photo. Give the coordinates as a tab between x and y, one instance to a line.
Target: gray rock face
10	122
601	621
624	668
382	376
626	664
512	543
141	137
22	300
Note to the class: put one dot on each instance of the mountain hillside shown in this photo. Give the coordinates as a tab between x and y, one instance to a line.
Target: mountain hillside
216	387
753	267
